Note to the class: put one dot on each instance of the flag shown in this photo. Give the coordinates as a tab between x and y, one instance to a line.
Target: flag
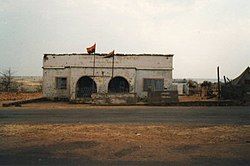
91	49
111	54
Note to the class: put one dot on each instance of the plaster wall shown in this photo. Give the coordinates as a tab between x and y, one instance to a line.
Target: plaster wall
49	83
152	74
133	68
127	61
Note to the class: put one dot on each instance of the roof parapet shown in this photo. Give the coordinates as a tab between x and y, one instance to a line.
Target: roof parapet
104	54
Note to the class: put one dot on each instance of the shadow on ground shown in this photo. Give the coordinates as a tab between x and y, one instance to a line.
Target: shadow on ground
44	155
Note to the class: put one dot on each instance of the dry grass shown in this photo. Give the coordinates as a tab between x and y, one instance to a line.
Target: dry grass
12	96
193	98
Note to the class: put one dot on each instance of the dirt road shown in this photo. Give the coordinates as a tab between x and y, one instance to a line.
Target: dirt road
135	135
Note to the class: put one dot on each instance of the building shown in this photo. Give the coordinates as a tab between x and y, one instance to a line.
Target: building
79	76
238	88
182	86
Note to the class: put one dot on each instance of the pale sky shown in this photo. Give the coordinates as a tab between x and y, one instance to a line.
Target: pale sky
201	34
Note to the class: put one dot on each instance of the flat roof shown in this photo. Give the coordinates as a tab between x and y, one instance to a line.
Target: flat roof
104	54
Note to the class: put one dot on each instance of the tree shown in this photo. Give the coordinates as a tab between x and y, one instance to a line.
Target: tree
6	80
192	84
207	85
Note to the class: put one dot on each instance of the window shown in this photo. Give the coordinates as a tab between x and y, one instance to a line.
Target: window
153	84
61	83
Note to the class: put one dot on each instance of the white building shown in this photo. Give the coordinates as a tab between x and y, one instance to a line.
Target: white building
182	86
76	76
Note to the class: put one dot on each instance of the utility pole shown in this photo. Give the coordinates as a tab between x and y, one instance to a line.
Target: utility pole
225	81
113	59
218	76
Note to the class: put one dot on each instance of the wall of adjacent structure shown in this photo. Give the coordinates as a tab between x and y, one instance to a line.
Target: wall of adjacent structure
133	68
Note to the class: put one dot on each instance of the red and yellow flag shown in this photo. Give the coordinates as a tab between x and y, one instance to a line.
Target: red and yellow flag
91	49
111	54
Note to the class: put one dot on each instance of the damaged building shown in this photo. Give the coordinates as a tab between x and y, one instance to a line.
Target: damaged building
126	77
238	88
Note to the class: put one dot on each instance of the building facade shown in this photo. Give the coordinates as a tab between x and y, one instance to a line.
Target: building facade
76	76
182	86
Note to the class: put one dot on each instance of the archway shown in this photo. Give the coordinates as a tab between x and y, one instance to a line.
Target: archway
118	85
85	87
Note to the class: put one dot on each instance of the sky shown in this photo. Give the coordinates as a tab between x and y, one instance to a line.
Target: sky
202	34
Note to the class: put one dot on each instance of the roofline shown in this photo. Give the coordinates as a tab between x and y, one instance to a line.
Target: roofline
237	79
104	54
90	67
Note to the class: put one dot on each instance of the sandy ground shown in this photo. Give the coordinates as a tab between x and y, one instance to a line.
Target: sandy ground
125	136
14	96
195	98
107	142
43	141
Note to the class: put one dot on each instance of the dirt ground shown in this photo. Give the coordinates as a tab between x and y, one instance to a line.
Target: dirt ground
108	142
68	141
194	98
12	96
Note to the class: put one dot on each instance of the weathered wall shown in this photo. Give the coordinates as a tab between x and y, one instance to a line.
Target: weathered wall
101	78
102	99
133	68
157	74
182	88
49	83
127	61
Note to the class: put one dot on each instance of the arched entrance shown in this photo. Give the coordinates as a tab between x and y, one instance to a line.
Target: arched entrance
118	85
85	87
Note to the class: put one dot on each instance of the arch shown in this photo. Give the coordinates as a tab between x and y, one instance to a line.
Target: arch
85	87
118	85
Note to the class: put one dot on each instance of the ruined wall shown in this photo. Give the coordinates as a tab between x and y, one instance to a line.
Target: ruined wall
139	62
101	78
132	68
105	99
156	74
49	83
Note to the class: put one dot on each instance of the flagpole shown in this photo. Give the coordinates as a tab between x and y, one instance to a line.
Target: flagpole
93	85
94	65
91	50
113	66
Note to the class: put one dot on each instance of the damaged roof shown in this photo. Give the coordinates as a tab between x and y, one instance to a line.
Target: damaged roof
237	80
104	54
